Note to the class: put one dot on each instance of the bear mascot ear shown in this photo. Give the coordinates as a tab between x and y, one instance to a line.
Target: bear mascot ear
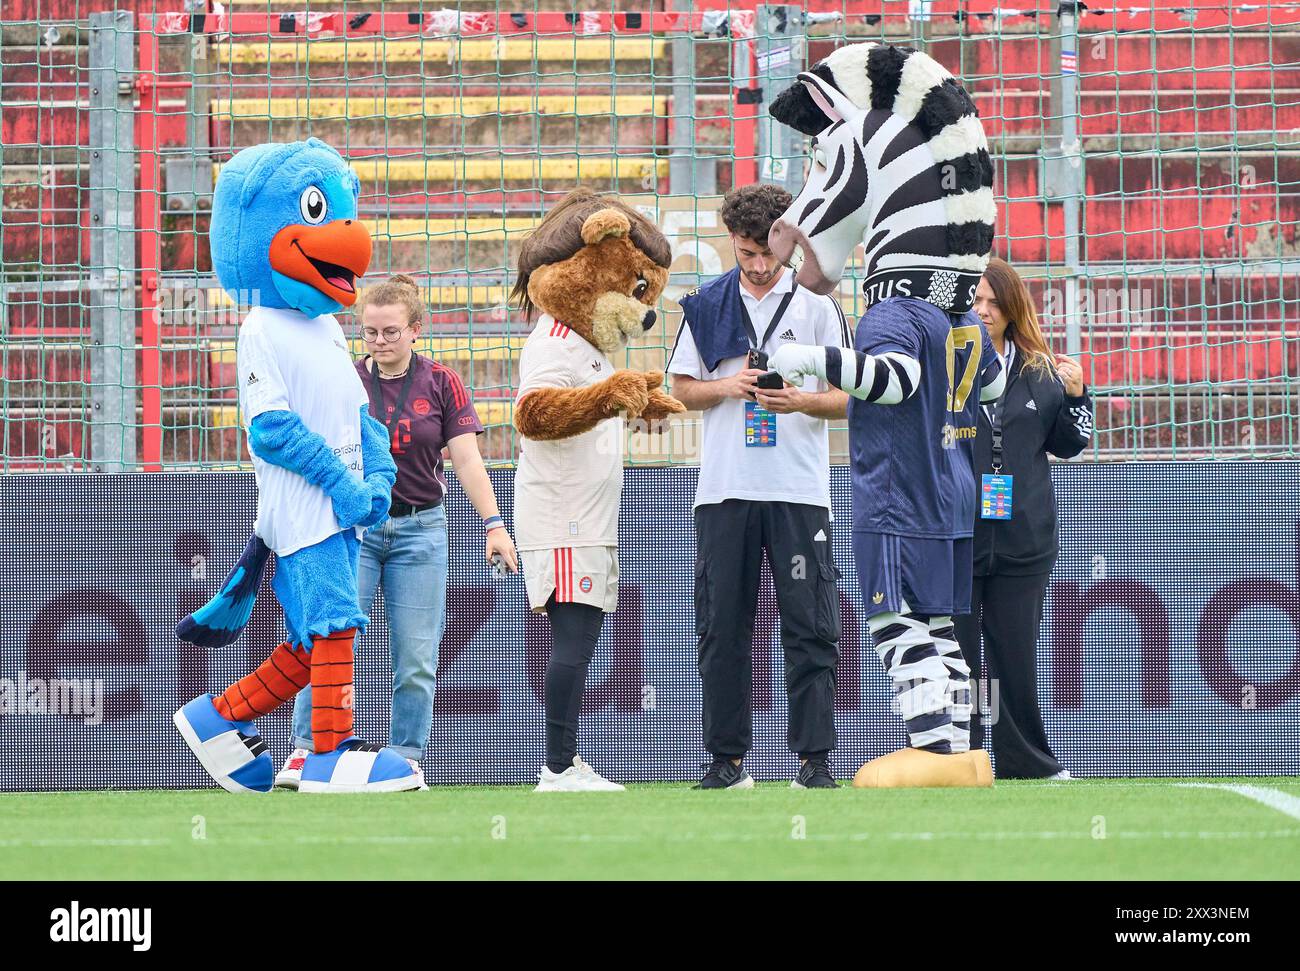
603	224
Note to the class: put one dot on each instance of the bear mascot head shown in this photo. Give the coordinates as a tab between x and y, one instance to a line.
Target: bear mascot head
595	267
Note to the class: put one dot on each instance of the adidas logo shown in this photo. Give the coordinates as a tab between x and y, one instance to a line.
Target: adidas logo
878	598
1032	406
252	378
595	365
788	335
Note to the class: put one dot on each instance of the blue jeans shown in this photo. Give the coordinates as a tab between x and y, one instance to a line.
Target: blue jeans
409	556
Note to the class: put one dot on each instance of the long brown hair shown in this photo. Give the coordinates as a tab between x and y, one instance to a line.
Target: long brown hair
1022	320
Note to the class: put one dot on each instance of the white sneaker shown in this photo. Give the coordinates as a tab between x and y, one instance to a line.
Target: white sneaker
291	774
419	774
1062	776
579	777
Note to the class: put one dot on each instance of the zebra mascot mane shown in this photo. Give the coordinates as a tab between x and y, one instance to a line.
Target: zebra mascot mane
901	165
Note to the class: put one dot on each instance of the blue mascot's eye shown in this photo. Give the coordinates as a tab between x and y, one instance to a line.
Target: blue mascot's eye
312	205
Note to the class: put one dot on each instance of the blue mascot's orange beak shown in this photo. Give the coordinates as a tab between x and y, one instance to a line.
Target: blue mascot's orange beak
328	257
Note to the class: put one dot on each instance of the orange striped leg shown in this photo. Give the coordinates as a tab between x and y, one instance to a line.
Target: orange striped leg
279	678
331	689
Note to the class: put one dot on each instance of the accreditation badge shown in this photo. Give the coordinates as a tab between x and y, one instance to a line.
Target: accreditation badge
760	426
995	496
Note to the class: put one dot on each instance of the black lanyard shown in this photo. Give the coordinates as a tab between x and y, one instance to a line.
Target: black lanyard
776	319
995	417
377	393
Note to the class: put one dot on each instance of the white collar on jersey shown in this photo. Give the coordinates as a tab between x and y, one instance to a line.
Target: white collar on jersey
1009	356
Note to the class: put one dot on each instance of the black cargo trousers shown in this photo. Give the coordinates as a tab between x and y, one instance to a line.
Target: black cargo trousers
731	539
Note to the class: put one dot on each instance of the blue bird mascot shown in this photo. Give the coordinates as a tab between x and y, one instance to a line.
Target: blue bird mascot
286	243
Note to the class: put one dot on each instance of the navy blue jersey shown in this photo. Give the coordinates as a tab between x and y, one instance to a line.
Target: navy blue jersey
969	333
912	462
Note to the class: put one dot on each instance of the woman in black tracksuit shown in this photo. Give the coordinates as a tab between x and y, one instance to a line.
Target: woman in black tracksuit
1045	409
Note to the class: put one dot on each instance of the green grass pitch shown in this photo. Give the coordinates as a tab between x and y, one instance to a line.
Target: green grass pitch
1106	829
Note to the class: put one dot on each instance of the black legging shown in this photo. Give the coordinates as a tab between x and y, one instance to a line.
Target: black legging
1009	609
575	629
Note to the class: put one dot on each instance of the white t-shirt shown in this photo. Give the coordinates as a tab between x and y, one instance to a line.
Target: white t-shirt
797	468
291	362
567	491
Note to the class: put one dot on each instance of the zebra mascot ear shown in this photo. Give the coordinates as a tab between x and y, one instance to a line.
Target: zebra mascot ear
812	104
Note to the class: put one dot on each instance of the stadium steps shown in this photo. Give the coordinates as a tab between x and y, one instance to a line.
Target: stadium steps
1174	206
1145	329
1178	204
282	67
48	127
467	123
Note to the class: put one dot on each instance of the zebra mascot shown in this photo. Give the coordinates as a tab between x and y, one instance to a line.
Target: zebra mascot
900	164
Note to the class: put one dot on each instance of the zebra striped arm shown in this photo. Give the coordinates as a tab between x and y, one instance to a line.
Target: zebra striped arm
886	379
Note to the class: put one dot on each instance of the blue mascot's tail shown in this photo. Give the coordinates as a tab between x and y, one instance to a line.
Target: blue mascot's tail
221	619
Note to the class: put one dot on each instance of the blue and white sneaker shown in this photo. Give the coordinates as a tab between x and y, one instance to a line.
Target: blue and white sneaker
357	766
233	753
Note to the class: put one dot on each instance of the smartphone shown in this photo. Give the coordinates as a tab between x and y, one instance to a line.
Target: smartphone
771	381
758	360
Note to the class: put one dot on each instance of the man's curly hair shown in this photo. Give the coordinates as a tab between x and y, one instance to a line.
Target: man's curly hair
750	210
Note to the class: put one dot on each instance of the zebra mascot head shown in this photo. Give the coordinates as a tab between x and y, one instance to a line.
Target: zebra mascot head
900	164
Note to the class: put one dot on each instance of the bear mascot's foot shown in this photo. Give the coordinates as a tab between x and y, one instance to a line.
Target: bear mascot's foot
356	766
914	768
233	753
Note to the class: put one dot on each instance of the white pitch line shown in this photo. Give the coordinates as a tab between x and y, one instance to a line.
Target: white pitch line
1272	798
82	841
688	837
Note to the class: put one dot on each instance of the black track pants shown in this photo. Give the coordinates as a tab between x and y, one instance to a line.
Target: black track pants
1008	612
731	539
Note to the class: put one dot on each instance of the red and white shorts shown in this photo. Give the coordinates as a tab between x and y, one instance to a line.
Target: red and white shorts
575	574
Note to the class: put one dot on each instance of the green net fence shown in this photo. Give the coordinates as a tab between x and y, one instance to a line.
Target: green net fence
1147	174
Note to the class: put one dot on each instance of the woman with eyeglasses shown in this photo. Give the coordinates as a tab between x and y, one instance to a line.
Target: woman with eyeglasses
426	408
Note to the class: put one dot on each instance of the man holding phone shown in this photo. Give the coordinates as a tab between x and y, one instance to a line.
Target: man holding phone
764	487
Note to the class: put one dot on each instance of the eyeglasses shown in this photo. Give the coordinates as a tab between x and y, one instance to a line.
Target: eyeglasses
390	333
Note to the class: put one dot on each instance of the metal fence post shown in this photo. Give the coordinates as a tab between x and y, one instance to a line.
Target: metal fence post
112	242
688	173
782	54
1072	151
1062	177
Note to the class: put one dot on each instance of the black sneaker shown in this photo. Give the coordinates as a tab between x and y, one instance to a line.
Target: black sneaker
723	774
814	774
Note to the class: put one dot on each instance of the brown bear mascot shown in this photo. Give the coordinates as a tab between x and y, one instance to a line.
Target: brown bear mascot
594	267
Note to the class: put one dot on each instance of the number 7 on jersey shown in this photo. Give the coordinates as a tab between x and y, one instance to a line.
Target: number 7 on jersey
959	339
